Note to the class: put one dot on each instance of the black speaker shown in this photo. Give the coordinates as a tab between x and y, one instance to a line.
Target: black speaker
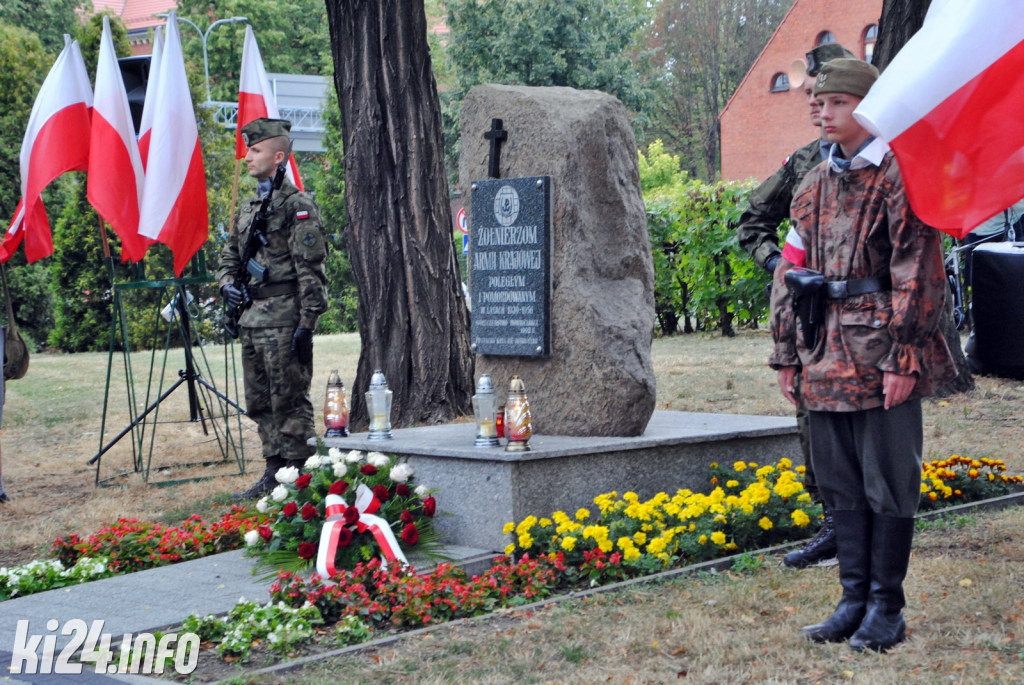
135	74
997	307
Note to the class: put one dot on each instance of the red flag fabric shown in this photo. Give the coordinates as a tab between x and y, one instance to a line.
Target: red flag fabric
950	105
174	204
56	141
256	99
116	177
148	107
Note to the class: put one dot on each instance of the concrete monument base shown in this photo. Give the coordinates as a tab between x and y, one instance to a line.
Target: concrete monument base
481	489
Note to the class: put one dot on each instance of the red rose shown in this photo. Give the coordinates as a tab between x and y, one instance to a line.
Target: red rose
266	533
302	482
338	487
308	511
351	515
406	516
307	550
290	509
410	535
368	470
345	537
402	490
429	506
381	492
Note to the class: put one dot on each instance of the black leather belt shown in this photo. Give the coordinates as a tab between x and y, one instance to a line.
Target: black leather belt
262	292
838	290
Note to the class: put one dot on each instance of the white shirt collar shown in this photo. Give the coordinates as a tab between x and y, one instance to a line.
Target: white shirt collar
870	156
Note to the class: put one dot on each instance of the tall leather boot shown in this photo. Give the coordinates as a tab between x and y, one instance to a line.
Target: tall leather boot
819	550
853	539
883	625
266	483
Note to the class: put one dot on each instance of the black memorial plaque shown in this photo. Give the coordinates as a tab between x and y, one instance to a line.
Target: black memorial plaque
510	266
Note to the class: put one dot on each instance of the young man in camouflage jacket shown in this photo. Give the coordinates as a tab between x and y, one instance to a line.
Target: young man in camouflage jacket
878	352
757	231
277	329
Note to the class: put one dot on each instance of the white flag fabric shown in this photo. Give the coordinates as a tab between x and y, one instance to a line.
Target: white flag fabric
174	204
148	107
115	173
56	141
256	100
951	106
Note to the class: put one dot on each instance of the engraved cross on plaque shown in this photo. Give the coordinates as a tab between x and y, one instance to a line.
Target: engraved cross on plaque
497	135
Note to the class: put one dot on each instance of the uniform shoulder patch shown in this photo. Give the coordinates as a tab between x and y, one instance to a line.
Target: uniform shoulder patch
309	239
302	214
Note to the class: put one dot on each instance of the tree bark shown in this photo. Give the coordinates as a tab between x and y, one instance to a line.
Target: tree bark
413	320
900	20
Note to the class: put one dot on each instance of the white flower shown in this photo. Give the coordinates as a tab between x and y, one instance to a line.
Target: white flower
287	474
252	537
263	505
279	494
421	491
377	459
312	464
340	470
354	457
401	473
335	455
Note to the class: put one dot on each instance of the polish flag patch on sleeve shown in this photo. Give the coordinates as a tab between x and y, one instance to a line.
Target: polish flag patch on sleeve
302	214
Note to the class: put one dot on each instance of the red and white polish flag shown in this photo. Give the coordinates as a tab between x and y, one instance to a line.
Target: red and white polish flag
116	177
148	107
174	204
56	141
951	106
256	100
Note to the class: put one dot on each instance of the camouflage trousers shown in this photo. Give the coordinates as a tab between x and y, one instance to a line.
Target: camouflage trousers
277	392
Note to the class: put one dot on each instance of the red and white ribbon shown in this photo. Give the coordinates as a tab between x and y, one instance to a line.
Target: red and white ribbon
367	505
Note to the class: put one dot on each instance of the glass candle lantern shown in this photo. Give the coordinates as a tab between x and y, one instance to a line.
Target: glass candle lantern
517	417
378	404
335	407
485	404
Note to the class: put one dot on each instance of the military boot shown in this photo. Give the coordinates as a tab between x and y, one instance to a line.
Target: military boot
819	550
266	483
853	535
883	626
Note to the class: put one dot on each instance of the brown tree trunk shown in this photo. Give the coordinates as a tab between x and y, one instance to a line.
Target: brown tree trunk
413	321
899	21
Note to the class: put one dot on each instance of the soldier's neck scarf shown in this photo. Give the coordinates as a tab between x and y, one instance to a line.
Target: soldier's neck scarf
263	186
840	164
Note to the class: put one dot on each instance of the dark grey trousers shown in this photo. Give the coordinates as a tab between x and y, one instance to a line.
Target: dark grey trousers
869	460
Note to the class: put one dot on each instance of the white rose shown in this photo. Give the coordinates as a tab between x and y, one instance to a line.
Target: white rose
287	474
252	537
340	470
354	457
335	455
312	464
263	505
279	494
421	491
377	459
401	473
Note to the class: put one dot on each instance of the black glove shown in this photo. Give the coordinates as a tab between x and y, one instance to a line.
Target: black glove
771	263
302	345
232	295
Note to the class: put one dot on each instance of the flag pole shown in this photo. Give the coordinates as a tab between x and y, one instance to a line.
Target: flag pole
234	195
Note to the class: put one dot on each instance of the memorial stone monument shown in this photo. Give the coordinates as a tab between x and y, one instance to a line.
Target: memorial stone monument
584	352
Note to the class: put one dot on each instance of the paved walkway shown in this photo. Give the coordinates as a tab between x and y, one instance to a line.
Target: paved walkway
144	602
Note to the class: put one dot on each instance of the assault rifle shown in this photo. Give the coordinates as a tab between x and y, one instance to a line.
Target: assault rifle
251	270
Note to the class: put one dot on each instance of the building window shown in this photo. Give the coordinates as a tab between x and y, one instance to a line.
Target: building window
869	40
825	37
780	83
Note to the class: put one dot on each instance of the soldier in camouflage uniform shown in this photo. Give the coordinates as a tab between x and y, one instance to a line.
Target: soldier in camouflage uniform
757	231
879	351
277	329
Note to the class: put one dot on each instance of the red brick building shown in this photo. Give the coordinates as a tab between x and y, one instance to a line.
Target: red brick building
767	118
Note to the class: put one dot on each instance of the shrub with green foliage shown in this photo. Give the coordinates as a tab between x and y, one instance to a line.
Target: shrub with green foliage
702	276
